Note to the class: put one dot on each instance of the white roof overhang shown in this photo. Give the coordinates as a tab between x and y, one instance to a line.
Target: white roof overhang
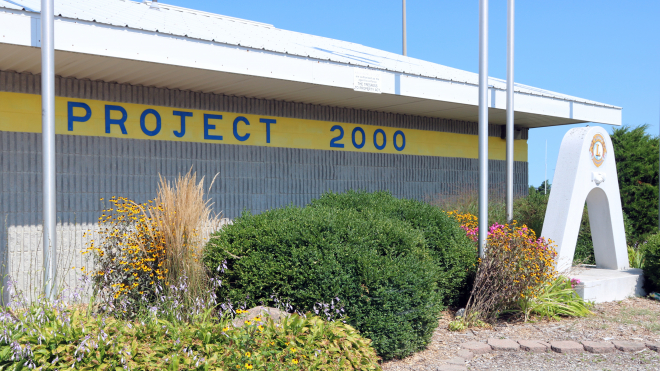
100	51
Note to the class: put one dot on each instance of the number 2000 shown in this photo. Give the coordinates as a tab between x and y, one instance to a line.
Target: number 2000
359	138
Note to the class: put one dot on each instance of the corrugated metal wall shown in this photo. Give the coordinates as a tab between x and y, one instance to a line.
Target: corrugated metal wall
250	177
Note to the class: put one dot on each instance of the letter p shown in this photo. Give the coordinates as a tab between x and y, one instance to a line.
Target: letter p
71	118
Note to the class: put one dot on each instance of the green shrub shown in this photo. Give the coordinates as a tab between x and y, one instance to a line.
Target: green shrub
652	263
530	210
584	246
452	250
392	263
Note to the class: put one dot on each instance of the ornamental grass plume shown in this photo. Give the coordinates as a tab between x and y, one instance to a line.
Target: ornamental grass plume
184	218
516	265
145	249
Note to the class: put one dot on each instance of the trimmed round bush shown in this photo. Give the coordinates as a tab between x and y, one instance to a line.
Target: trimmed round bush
394	264
453	251
652	264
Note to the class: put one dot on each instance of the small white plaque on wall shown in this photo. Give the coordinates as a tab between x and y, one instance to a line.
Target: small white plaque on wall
366	80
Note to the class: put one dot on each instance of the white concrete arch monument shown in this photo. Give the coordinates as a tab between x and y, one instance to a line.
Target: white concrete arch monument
586	172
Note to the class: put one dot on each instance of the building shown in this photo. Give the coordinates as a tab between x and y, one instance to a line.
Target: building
145	88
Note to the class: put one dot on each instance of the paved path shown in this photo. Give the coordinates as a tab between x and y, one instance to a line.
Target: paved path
619	336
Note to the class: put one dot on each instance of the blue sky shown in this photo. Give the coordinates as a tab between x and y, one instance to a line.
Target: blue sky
607	51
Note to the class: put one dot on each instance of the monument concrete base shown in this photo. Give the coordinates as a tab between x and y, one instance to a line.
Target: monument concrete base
603	285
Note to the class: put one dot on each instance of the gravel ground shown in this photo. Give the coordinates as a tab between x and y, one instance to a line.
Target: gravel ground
635	319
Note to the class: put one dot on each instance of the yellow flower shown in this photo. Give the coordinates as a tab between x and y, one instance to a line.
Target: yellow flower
248	354
248	366
293	350
294	361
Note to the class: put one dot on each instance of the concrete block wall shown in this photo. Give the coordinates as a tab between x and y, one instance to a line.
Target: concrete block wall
249	177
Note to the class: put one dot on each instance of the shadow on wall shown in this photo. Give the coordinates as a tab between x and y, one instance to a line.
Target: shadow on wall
22	267
22	260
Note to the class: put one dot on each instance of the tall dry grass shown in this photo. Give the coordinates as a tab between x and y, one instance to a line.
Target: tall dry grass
185	217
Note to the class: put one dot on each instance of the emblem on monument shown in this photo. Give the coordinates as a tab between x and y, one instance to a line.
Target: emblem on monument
598	150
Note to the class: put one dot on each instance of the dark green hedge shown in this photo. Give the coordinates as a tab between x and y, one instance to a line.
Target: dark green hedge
394	263
453	251
652	264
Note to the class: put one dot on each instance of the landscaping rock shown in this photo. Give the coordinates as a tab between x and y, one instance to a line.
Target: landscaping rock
451	368
566	347
653	346
503	344
465	354
534	346
260	311
598	347
477	347
457	361
629	346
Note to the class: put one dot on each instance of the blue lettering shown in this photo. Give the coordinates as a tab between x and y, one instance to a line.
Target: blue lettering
380	147
333	142
364	137
183	115
71	118
236	135
143	124
403	139
268	122
109	121
207	126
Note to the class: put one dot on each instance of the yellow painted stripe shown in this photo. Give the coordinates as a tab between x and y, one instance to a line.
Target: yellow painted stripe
22	113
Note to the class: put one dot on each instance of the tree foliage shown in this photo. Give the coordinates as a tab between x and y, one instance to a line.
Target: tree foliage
637	163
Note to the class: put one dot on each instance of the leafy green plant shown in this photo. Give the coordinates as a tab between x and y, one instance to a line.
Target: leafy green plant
652	263
636	256
393	263
457	325
50	336
554	300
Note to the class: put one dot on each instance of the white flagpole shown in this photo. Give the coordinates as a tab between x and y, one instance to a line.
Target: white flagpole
48	147
405	46
483	125
509	111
